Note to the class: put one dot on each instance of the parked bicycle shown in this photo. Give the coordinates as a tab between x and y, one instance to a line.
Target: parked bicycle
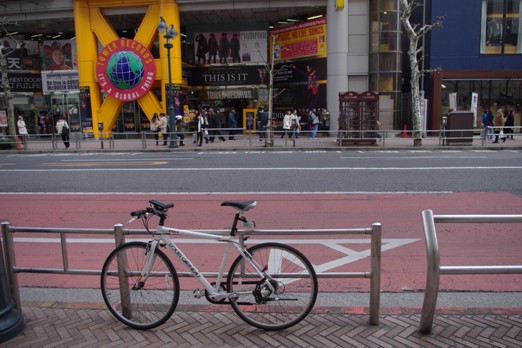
271	286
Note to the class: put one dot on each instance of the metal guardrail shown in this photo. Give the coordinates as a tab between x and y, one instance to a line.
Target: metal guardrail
138	141
119	234
435	270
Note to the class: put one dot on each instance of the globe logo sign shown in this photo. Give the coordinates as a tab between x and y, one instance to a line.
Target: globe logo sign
125	69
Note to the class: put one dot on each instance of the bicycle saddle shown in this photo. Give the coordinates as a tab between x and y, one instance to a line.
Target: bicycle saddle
243	206
161	206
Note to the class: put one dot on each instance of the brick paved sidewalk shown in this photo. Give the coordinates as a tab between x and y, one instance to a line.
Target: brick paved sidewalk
91	325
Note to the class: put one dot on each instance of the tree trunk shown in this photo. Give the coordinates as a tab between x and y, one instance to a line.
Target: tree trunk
415	93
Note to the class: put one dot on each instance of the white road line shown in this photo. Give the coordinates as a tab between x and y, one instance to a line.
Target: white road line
413	158
376	169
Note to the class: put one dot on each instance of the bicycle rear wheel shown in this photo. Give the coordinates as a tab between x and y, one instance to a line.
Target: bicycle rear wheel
140	305
292	277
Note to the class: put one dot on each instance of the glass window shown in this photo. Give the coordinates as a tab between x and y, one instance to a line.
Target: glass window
501	31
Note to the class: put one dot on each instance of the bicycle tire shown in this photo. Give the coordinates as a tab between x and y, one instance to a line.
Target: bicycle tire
290	303
150	304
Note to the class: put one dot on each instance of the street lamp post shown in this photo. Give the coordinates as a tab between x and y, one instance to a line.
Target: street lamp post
169	34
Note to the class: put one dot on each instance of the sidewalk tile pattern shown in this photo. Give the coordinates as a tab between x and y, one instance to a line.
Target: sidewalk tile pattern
92	327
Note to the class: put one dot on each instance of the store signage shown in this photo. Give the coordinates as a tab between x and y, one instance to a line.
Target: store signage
230	94
229	75
24	82
125	69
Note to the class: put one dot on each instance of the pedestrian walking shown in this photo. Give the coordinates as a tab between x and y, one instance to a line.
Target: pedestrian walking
201	130
287	125
262	122
296	126
498	123
314	120
154	127
180	129
62	128
232	123
163	127
22	130
215	124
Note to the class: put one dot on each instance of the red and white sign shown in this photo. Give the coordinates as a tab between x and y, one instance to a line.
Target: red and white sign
132	69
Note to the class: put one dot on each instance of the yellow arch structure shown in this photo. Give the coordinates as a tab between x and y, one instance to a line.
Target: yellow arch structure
92	28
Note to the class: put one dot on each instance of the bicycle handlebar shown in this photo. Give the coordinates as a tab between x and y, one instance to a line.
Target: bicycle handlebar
157	208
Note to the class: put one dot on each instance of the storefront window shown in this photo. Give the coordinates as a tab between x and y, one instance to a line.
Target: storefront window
492	94
501	30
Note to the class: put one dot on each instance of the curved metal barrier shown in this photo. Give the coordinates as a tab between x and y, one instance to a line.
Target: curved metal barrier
433	257
119	234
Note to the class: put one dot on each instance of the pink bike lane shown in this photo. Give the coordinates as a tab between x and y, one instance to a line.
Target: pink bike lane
403	256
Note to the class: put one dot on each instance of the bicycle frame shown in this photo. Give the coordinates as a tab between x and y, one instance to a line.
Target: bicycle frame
161	234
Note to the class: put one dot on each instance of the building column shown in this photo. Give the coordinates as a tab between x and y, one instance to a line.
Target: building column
337	61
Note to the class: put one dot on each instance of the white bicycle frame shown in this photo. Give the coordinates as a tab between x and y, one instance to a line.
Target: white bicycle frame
161	235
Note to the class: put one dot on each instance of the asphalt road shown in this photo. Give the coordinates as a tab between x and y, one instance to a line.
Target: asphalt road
258	171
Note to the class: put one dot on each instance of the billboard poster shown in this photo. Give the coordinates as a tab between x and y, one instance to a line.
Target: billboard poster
230	47
303	83
59	55
85	109
301	40
25	57
60	81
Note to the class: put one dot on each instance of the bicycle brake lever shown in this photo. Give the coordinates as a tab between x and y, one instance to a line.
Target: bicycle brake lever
133	219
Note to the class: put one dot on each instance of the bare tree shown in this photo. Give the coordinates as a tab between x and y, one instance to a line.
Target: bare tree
415	33
8	95
272	72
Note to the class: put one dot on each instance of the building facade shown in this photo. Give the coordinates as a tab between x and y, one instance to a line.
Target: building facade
319	49
478	51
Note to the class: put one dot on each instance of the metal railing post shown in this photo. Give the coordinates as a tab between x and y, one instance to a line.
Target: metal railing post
8	244
433	272
63	244
123	279
143	140
375	281
119	237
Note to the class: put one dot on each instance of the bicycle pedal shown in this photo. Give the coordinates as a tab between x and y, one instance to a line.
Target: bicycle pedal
198	293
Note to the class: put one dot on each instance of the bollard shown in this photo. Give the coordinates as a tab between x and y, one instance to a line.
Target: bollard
11	320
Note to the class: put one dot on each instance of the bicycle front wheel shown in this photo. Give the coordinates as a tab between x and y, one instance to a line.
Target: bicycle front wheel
279	301
137	303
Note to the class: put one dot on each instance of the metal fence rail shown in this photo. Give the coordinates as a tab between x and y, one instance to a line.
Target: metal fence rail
119	233
248	139
433	257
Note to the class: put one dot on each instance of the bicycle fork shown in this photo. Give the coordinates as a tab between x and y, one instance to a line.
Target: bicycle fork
149	262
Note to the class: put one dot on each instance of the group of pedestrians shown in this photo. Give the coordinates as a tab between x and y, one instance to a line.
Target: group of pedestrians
62	129
292	125
208	124
501	125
